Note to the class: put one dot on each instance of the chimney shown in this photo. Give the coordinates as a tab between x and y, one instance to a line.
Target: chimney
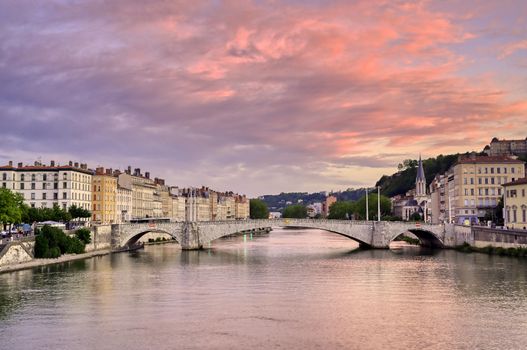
76	164
10	163
147	175
137	172
129	171
36	163
99	170
71	163
52	163
109	171
20	165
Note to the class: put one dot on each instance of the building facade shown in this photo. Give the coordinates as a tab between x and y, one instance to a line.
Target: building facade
498	148
104	193
477	185
515	204
123	204
43	186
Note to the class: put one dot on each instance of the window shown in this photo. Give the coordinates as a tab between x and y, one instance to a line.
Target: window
512	170
56	186
513	194
32	185
64	176
33	177
505	170
466	202
486	192
45	177
486	181
21	185
32	205
22	177
479	181
498	170
514	218
472	181
524	215
4	176
55	196
466	192
64	195
523	192
492	181
33	196
499	191
492	170
44	186
465	181
486	170
64	185
43	195
471	191
4	185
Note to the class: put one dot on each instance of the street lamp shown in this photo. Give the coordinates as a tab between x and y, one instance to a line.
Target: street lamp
367	213
378	203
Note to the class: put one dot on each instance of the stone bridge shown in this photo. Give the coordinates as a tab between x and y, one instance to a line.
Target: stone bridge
196	235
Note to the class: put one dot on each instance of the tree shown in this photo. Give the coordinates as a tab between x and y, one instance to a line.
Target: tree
296	211
258	209
415	217
78	212
52	242
84	235
11	207
360	207
342	210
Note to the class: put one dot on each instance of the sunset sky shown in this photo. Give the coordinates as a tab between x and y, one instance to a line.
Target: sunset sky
259	97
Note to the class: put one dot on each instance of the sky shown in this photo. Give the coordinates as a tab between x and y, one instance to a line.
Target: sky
259	97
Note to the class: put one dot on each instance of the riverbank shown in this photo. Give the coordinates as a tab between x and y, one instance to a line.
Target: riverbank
490	250
43	262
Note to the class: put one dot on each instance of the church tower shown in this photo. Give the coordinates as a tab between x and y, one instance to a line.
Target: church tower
420	181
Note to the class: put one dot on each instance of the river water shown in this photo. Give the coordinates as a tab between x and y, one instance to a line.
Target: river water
291	289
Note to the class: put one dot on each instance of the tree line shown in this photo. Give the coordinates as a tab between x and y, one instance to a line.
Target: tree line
13	210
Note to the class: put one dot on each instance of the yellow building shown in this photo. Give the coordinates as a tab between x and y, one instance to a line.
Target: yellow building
104	191
477	186
515	204
241	207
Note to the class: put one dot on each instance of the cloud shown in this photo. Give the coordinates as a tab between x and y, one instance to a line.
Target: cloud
252	96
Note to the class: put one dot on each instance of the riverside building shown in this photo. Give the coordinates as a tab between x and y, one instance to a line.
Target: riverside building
43	186
515	204
104	193
477	185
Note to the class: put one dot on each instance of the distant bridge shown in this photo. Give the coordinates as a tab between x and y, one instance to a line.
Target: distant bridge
374	234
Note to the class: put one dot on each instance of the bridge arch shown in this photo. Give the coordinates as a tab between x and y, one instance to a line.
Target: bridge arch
359	232
134	238
427	238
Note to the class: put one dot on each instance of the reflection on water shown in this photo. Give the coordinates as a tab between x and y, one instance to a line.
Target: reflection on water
297	289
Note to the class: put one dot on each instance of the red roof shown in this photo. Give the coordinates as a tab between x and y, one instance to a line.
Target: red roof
46	168
522	181
488	159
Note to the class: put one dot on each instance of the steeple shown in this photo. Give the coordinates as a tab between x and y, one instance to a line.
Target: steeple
420	180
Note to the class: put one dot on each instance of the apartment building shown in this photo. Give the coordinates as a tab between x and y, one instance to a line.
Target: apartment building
123	204
143	189
515	204
477	185
43	186
104	193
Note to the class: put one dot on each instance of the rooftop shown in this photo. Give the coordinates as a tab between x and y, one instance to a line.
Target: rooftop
522	181
487	160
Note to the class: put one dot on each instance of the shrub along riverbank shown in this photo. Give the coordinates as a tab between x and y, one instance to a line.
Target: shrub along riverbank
52	242
467	248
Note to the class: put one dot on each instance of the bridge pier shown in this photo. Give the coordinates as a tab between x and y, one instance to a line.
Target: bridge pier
190	238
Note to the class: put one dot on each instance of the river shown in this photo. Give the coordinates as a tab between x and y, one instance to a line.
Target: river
291	289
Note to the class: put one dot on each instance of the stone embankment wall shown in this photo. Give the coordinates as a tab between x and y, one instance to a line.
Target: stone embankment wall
484	236
101	237
16	252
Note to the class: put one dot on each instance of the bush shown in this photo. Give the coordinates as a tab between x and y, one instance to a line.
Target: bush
84	235
150	240
52	242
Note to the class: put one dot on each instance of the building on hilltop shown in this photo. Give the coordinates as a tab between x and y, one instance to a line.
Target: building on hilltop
506	148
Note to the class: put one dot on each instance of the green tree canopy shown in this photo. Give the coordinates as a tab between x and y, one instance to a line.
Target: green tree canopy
11	207
296	211
78	212
341	210
360	207
258	209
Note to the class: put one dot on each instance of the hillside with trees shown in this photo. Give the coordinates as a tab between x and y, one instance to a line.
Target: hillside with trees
278	202
404	180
